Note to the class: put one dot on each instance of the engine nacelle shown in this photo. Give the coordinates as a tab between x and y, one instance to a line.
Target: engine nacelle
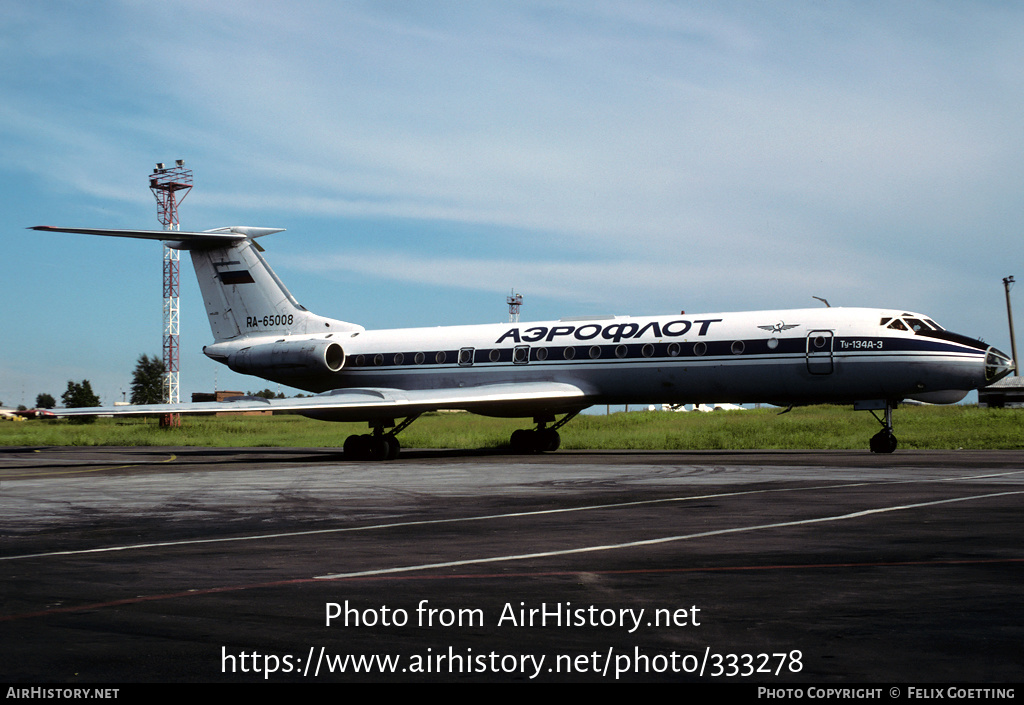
297	358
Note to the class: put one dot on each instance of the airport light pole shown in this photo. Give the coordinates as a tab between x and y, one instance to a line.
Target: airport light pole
1007	283
170	185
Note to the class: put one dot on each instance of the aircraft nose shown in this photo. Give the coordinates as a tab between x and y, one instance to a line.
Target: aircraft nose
997	365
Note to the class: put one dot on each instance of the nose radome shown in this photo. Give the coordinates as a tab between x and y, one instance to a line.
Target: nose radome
997	365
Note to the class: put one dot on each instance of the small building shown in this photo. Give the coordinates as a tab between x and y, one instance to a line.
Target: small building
1009	391
221	396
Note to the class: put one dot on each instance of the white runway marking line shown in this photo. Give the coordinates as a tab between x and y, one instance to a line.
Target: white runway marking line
651	542
401	524
485	517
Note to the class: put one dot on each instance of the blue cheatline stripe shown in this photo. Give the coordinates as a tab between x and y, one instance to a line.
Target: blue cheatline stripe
717	350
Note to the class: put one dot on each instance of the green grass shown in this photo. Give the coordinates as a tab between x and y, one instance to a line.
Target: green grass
815	427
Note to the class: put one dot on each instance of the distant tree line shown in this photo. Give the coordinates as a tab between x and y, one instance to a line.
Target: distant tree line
266	394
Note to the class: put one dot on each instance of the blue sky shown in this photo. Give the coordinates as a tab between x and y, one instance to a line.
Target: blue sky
632	157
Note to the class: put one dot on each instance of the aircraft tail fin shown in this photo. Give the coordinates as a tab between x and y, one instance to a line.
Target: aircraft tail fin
242	294
244	297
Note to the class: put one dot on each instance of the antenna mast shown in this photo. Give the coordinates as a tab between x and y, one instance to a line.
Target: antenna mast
166	185
514	301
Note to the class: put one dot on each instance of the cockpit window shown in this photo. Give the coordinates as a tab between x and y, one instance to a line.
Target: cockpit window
909	322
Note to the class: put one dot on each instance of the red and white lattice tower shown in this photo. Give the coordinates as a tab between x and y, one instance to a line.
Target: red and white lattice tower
514	301
170	186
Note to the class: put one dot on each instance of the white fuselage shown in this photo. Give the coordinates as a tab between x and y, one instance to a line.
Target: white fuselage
791	356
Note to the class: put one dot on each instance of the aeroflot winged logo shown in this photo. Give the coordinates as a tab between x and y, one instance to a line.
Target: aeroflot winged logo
614	331
779	327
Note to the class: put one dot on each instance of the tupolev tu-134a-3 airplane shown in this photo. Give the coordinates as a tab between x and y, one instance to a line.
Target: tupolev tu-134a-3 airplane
871	358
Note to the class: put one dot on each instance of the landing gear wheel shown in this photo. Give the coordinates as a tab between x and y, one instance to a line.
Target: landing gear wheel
350	446
379	445
522	441
883	442
547	440
367	447
394	447
358	447
379	448
543	439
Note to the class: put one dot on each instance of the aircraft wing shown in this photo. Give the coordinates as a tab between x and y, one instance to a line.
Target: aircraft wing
367	403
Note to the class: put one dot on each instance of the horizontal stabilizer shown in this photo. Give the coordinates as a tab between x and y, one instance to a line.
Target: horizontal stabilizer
219	236
242	295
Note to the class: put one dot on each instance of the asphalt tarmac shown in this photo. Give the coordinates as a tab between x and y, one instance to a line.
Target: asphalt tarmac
125	565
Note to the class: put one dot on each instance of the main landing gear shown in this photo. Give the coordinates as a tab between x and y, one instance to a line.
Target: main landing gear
542	439
378	445
884	441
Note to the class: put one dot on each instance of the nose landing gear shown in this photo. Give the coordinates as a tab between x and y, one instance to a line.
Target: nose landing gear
884	441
